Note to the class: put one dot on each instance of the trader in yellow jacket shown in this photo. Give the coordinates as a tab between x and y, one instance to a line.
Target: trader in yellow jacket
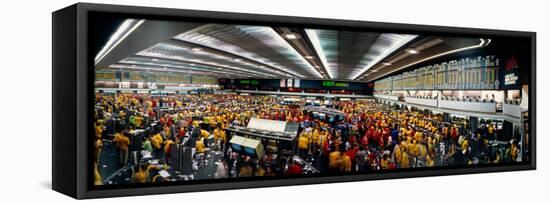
303	145
141	175
403	156
422	152
429	161
98	141
223	137
303	142
398	153
413	149
204	133
404	160
514	152
196	123
156	141
122	143
98	147
98	130
217	134
335	161
98	180
167	144
346	163
199	146
323	135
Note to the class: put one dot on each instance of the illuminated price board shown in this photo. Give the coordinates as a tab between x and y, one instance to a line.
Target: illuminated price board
466	73
334	84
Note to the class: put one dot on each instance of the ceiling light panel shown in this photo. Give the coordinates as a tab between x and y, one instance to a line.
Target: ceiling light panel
174	69
256	43
142	68
272	39
326	47
144	61
172	51
125	29
385	45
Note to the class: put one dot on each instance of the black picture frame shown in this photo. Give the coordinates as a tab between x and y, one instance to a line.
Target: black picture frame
72	86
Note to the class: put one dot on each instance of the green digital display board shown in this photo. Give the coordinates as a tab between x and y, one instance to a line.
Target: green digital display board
334	84
251	82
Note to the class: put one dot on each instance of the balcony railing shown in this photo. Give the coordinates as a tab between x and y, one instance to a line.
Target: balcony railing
422	100
387	97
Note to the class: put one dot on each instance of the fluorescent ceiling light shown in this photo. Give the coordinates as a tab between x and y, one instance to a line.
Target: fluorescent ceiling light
275	41
125	29
176	52
314	38
183	69
385	45
291	36
181	66
412	51
133	62
265	34
387	63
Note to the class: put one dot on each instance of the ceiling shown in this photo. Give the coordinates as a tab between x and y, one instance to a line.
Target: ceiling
242	51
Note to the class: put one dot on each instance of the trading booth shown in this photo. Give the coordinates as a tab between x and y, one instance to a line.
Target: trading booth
275	136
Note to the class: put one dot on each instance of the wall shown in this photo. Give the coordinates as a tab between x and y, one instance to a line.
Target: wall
26	39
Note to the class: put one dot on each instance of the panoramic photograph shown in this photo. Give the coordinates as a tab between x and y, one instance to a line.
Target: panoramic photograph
193	101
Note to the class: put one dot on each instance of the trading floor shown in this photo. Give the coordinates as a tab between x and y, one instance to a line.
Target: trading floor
144	138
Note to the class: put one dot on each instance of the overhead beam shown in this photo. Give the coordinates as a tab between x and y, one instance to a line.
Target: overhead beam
229	54
316	43
191	40
381	46
206	66
157	68
149	33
